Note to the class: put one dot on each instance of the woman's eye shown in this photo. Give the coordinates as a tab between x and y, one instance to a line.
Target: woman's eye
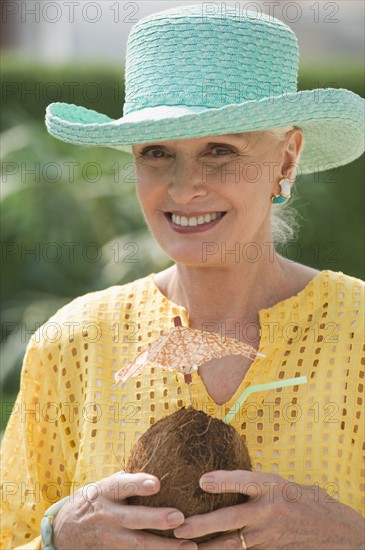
151	154
225	151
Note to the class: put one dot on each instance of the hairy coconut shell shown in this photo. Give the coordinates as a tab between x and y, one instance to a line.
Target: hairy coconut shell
179	449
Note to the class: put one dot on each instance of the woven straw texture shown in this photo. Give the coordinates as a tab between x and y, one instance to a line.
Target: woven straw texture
70	426
190	75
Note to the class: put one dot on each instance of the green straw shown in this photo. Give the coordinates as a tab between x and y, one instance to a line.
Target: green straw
262	387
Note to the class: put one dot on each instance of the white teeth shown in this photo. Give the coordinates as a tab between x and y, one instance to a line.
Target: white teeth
184	221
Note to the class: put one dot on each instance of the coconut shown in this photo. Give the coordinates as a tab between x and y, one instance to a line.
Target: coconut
179	449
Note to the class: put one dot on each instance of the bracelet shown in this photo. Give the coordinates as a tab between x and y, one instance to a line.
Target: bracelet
46	523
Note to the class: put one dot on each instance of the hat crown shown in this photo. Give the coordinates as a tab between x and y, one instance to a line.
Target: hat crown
208	55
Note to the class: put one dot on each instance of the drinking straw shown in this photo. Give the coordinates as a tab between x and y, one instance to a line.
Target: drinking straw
262	387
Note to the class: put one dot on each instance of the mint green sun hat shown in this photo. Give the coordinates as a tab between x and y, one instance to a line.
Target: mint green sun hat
192	72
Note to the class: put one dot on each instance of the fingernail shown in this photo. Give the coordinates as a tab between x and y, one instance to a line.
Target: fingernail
205	478
149	484
188	545
175	518
182	531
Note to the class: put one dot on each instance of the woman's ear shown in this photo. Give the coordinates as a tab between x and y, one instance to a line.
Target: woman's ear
291	153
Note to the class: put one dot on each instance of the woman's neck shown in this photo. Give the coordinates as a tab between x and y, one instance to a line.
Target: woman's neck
231	294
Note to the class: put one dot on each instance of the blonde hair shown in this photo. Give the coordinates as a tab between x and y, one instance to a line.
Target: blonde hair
284	218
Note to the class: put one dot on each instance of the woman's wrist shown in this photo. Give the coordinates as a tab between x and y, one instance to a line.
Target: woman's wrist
46	523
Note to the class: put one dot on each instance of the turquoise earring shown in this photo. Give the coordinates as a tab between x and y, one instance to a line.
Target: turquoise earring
284	194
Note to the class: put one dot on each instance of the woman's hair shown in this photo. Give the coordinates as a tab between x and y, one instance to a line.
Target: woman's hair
284	218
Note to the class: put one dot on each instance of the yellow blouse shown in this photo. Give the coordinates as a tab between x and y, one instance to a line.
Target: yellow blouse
71	426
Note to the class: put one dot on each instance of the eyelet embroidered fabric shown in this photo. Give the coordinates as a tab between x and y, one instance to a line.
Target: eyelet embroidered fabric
70	426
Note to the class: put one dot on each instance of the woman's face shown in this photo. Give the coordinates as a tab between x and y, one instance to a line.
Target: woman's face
206	199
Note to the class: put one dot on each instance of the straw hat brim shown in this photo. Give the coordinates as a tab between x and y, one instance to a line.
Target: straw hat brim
332	120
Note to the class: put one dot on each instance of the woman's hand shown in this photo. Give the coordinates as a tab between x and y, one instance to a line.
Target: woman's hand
280	515
99	517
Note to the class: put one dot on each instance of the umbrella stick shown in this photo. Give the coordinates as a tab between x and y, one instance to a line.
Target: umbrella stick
191	397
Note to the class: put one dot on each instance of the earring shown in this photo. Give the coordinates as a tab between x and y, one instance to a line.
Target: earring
284	194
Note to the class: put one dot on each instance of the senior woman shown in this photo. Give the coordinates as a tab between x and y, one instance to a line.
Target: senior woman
213	170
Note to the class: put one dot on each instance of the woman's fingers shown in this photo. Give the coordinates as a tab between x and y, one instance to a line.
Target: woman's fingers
122	485
253	484
154	542
229	541
230	517
100	517
146	517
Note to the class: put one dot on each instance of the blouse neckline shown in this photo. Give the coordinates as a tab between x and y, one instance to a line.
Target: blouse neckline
257	373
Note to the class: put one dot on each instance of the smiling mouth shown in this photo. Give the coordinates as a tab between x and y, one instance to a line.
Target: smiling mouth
192	221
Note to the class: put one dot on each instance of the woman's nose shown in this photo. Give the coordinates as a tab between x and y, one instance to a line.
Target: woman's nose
187	181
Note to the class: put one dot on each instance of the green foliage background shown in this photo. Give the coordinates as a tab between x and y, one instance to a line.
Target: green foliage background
87	231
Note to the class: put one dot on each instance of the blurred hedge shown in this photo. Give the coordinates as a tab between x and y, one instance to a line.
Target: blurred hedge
45	214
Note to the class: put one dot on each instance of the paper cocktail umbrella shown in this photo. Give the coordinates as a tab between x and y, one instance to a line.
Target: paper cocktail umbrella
184	349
